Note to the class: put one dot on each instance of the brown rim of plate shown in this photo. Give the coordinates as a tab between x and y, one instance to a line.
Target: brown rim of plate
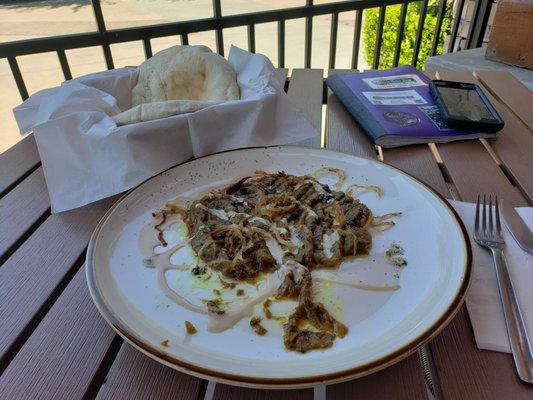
308	381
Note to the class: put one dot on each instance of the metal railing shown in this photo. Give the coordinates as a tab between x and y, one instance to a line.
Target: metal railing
104	37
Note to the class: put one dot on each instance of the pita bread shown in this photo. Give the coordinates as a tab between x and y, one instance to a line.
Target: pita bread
185	73
159	109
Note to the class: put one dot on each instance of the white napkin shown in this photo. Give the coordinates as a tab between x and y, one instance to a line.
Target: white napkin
86	157
483	299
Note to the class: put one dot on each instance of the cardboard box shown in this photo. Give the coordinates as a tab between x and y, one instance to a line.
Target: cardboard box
511	37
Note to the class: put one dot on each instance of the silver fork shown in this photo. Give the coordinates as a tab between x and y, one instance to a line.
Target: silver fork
490	237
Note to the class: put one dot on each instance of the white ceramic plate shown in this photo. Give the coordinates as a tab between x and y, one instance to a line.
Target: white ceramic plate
384	327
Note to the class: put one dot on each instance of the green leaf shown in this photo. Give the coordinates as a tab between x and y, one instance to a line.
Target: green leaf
390	32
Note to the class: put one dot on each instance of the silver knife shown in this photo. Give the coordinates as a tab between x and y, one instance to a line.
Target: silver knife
517	227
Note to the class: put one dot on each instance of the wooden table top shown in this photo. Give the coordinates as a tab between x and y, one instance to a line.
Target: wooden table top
55	345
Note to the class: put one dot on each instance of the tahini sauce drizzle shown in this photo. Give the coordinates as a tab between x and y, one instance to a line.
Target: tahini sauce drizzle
218	323
147	243
355	285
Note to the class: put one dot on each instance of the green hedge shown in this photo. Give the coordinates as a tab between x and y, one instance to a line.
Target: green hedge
390	28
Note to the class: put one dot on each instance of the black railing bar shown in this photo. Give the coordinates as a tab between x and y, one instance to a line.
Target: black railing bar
399	36
379	37
100	24
286	85
46	45
281	44
482	27
15	70
98	16
65	42
108	57
251	38
472	23
356	37
64	64
440	18
478	23
308	34
419	31
333	40
217	13
184	39
455	26
147	48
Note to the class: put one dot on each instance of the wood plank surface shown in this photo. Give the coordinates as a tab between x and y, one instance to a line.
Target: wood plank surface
136	376
305	90
17	161
343	133
402	380
509	91
226	392
418	161
36	270
514	146
473	171
282	73
21	208
464	370
457	338
62	356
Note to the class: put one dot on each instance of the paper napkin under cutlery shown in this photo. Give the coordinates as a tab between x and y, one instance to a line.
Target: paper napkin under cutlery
483	299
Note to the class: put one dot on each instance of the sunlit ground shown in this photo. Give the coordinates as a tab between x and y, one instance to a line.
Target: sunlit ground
31	19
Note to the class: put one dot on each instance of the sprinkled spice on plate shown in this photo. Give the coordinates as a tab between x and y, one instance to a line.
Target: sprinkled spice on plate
255	324
148	263
394	255
190	328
